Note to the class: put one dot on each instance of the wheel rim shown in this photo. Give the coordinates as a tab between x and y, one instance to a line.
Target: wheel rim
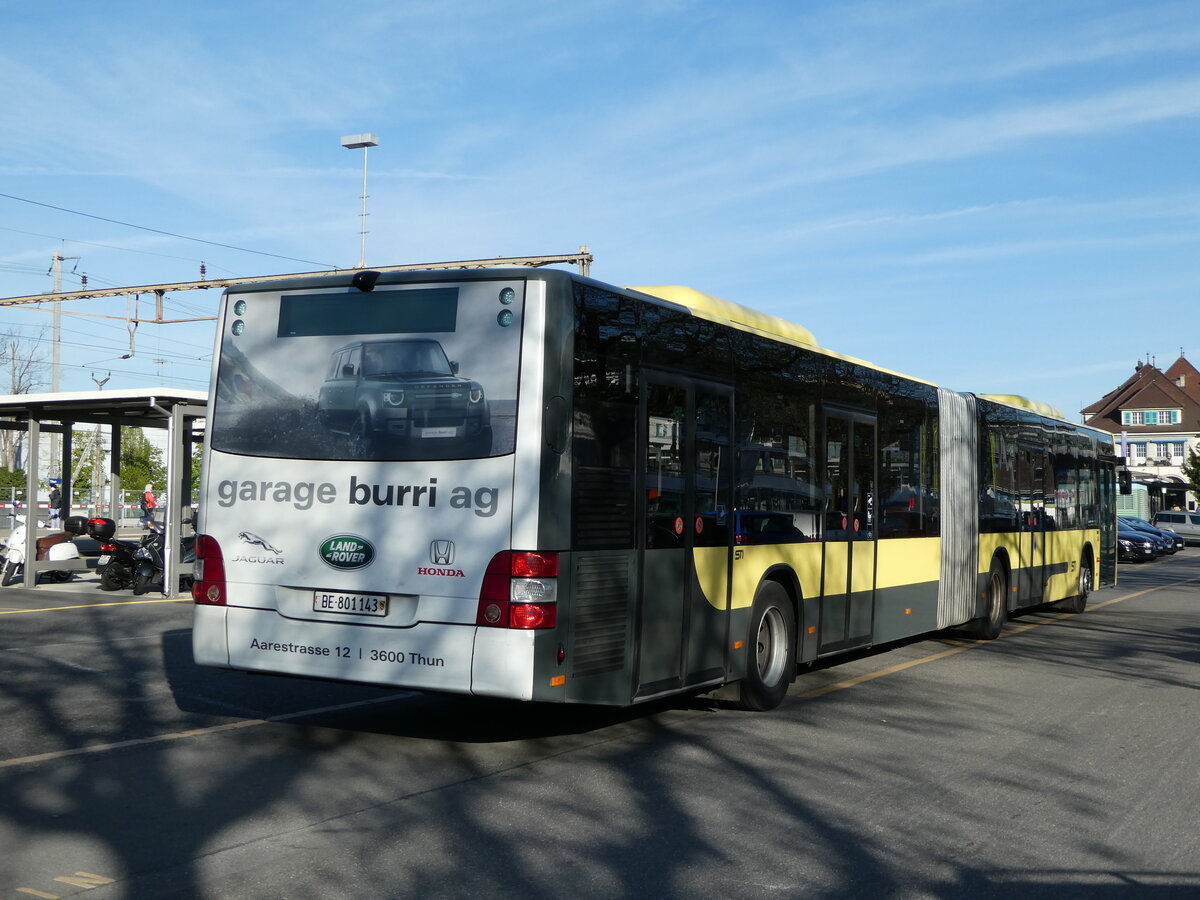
996	599
1086	580
772	646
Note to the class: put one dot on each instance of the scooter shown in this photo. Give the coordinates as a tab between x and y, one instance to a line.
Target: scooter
58	546
116	563
148	560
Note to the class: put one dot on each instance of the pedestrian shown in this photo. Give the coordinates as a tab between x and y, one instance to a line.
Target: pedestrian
55	506
148	505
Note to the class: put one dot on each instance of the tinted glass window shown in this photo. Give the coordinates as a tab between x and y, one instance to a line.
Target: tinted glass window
778	492
604	425
907	461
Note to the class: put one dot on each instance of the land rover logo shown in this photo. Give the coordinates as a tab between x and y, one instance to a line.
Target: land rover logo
347	551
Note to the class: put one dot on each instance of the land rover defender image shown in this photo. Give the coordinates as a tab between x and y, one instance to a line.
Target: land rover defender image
394	396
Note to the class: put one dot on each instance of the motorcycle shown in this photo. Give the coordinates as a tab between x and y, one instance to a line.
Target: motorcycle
148	560
57	546
116	563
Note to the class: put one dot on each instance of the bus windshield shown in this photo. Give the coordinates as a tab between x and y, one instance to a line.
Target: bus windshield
413	372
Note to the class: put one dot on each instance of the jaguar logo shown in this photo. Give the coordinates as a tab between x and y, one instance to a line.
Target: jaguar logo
249	537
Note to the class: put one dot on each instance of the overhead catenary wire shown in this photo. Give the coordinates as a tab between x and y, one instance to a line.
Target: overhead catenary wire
117	347
182	237
107	246
93	345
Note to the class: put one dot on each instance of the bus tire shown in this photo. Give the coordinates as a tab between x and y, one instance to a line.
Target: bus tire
988	627
1087	580
770	649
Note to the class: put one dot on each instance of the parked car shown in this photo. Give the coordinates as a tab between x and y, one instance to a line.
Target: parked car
1175	541
1133	546
1161	545
1185	524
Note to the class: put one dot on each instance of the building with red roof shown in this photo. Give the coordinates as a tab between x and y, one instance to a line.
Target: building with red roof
1155	418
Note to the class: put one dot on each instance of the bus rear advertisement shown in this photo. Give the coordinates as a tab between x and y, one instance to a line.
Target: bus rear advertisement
528	484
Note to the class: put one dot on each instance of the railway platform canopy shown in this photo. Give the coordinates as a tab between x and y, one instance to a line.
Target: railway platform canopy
179	412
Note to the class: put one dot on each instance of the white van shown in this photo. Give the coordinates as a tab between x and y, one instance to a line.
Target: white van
1185	524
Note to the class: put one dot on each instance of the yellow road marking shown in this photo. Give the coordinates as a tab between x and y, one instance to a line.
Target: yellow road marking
180	735
254	723
900	667
18	612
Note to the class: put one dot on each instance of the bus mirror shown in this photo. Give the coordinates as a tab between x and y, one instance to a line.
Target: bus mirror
1125	480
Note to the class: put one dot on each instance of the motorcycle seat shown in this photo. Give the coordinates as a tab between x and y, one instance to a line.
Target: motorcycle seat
45	543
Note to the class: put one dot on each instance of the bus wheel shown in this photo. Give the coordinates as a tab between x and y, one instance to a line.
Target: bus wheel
1087	580
988	628
770	656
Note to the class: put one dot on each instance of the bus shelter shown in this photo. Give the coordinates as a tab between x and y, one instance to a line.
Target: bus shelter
38	415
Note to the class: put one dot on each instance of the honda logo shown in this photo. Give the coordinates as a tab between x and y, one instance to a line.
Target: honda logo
441	553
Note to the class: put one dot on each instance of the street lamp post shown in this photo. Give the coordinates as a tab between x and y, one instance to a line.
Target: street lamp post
363	142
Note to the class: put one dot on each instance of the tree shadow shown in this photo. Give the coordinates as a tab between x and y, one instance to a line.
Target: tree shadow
862	794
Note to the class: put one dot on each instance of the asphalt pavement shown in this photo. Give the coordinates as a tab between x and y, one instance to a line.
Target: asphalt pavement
1056	762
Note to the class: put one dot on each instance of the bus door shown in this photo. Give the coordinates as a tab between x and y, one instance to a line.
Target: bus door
848	591
686	510
1106	509
1031	474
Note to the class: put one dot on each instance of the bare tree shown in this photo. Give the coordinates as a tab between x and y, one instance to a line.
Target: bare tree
22	371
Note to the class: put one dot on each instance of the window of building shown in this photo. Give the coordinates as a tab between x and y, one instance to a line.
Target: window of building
1151	417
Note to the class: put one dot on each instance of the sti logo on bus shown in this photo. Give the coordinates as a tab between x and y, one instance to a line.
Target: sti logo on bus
347	551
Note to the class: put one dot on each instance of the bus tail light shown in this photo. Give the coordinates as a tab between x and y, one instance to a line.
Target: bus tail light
520	590
208	586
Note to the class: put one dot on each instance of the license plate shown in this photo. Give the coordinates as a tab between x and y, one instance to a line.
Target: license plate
103	561
346	603
437	432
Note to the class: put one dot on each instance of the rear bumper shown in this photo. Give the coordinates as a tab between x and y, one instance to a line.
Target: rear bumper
430	656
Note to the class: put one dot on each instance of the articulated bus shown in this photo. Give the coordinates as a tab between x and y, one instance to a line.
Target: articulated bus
528	484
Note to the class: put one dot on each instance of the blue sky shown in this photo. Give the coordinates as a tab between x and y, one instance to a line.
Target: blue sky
999	197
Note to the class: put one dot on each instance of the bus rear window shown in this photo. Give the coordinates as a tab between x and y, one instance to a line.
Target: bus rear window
408	372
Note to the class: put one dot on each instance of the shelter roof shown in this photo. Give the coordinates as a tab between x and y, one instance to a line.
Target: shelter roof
138	407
